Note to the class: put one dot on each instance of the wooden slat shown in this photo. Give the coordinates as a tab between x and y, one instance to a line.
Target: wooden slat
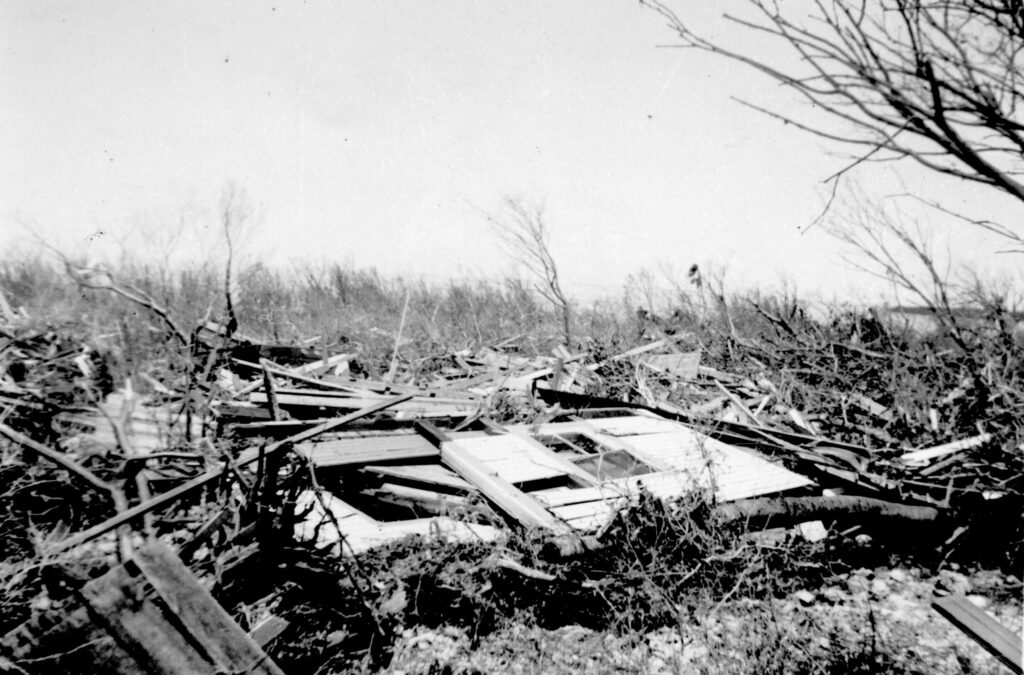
584	510
999	640
45	638
423	501
519	459
923	456
587	517
563	496
118	604
433	474
312	399
506	496
607	491
365	450
425	394
207	623
634	425
269	630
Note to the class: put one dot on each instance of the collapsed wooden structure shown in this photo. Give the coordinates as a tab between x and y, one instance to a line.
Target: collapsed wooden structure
388	460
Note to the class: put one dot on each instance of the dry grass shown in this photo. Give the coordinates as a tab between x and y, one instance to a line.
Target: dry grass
668	571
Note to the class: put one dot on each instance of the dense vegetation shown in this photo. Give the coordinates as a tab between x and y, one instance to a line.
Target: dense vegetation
665	567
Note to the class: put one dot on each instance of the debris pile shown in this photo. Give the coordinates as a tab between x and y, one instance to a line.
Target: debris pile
280	443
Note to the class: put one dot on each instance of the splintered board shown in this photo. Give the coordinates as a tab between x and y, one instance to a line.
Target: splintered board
149	615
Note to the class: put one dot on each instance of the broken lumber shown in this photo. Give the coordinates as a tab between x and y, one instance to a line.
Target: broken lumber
522	507
149	615
925	455
247	457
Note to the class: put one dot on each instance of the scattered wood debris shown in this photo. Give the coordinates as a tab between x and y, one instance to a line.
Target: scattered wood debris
148	615
360	460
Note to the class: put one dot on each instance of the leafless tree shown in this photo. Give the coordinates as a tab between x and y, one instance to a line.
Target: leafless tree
891	246
939	82
522	230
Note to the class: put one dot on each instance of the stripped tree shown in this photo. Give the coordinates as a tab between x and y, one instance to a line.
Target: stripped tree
522	230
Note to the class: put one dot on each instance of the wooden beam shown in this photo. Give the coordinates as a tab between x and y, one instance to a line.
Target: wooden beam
202	618
270	387
510	499
118	604
506	496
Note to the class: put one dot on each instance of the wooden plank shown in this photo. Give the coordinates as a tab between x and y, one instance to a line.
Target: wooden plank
925	455
585	510
999	640
365	450
633	425
44	639
433	474
269	630
207	623
519	459
588	517
564	496
315	395
415	404
118	604
506	496
392	389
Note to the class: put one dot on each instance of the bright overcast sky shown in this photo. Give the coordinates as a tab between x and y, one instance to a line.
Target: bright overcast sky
373	133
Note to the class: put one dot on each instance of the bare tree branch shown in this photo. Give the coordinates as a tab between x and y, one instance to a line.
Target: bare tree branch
525	236
935	82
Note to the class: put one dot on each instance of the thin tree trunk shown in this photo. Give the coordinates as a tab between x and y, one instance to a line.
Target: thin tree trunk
785	511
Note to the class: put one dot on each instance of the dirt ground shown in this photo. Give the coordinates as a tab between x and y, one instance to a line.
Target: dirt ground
841	627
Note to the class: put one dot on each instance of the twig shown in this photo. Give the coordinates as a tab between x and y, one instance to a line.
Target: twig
57	458
393	369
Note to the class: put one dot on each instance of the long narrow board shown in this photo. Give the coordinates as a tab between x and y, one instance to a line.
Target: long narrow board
996	638
162	616
431	474
366	450
518	458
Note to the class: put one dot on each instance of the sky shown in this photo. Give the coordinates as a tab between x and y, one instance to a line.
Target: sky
380	134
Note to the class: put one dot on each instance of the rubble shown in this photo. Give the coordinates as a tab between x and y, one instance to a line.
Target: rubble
310	446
